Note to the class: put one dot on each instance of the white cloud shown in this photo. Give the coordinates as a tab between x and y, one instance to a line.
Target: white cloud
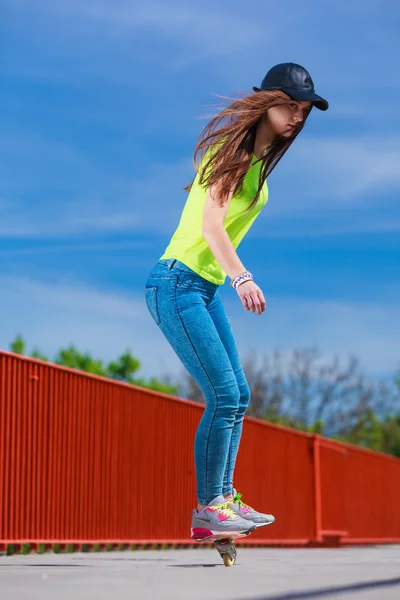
203	29
73	246
350	167
206	28
303	228
370	331
65	192
335	174
111	38
53	313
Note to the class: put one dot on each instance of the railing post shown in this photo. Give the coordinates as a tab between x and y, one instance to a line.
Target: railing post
317	488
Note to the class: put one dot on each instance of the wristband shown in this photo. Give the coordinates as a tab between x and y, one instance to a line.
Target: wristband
239	279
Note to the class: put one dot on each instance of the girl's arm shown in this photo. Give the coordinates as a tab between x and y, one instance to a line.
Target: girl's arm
215	235
221	246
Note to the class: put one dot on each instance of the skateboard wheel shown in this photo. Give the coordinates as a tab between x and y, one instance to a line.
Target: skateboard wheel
228	560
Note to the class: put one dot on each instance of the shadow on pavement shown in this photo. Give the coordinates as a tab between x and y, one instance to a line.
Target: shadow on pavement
48	565
194	566
333	591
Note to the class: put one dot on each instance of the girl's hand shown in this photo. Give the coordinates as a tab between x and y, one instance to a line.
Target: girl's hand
252	297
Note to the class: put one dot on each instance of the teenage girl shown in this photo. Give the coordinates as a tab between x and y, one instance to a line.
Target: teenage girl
238	149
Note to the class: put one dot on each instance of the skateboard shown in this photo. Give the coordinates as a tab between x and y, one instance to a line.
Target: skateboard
227	550
226	545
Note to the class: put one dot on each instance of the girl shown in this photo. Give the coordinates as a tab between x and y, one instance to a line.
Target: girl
239	148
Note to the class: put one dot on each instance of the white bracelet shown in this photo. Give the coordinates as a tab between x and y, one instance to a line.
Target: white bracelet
239	279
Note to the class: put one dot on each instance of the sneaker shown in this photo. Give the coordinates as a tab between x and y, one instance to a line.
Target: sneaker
217	519
248	513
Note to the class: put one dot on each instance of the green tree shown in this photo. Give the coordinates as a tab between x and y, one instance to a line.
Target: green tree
71	357
366	431
124	368
37	354
155	384
391	435
18	345
305	392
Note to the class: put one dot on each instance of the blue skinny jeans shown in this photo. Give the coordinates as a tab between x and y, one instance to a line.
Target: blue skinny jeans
190	314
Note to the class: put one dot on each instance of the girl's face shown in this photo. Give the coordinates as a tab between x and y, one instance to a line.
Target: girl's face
284	119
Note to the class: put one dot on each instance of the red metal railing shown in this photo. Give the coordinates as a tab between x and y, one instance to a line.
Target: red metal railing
84	459
360	492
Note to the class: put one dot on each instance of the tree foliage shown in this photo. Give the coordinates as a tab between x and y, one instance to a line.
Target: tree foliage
306	392
124	368
300	390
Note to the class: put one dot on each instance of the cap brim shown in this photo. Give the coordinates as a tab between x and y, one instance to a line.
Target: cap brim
302	96
307	96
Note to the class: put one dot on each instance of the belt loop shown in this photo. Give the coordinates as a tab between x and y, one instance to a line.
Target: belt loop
171	264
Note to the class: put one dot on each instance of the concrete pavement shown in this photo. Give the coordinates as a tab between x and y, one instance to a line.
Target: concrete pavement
366	573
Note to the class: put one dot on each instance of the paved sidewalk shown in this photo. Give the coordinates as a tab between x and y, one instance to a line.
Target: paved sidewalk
366	573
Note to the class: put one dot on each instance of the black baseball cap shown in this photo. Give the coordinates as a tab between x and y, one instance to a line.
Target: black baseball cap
295	81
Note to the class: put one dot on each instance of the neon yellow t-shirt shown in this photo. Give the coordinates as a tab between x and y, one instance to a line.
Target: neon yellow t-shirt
188	244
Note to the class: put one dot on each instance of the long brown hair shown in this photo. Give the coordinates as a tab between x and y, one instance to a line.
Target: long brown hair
233	132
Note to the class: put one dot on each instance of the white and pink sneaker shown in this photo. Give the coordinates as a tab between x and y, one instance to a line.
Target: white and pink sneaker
248	513
217	520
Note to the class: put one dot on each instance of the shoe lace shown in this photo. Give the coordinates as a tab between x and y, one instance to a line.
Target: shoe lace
238	499
225	510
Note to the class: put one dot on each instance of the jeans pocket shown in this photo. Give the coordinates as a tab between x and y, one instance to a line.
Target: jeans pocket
151	301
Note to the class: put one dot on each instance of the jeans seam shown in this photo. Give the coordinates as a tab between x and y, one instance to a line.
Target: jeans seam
205	371
229	452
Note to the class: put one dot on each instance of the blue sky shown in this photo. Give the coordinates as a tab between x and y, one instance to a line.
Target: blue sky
101	106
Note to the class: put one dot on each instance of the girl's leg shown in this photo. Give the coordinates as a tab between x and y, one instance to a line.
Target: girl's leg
223	327
179	305
221	322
